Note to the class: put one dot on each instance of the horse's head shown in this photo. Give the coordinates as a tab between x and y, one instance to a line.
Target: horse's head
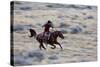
60	34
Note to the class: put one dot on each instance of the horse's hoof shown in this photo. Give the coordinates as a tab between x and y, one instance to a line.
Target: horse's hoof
61	49
44	48
40	49
52	47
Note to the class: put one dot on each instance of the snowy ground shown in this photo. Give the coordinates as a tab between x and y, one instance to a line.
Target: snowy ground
77	22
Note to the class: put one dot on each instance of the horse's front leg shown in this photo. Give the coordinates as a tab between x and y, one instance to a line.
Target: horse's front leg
59	45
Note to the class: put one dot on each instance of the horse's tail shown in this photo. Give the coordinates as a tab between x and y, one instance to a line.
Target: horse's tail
32	33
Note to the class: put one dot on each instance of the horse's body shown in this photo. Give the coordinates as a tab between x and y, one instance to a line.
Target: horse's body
52	40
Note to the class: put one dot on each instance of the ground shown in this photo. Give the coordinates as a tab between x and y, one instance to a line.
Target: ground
78	24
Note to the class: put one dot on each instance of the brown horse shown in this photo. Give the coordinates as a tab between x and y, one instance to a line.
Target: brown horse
52	40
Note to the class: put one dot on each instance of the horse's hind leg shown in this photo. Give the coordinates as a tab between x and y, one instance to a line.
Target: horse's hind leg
59	45
53	46
41	45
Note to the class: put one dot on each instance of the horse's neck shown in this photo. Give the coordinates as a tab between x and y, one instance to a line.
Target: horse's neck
54	35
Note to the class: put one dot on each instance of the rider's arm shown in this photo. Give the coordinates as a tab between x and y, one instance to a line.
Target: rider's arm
52	26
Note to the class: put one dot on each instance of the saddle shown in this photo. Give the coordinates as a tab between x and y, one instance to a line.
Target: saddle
46	36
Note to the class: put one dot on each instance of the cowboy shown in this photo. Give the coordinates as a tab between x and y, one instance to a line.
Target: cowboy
47	26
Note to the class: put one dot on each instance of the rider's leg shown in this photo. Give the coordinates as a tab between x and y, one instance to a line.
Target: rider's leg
49	35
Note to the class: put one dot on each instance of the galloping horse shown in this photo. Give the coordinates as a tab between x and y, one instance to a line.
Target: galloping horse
52	40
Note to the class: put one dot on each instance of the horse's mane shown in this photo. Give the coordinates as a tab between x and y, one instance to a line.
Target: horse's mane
56	31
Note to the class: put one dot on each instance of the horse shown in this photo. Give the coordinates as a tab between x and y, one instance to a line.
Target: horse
52	39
